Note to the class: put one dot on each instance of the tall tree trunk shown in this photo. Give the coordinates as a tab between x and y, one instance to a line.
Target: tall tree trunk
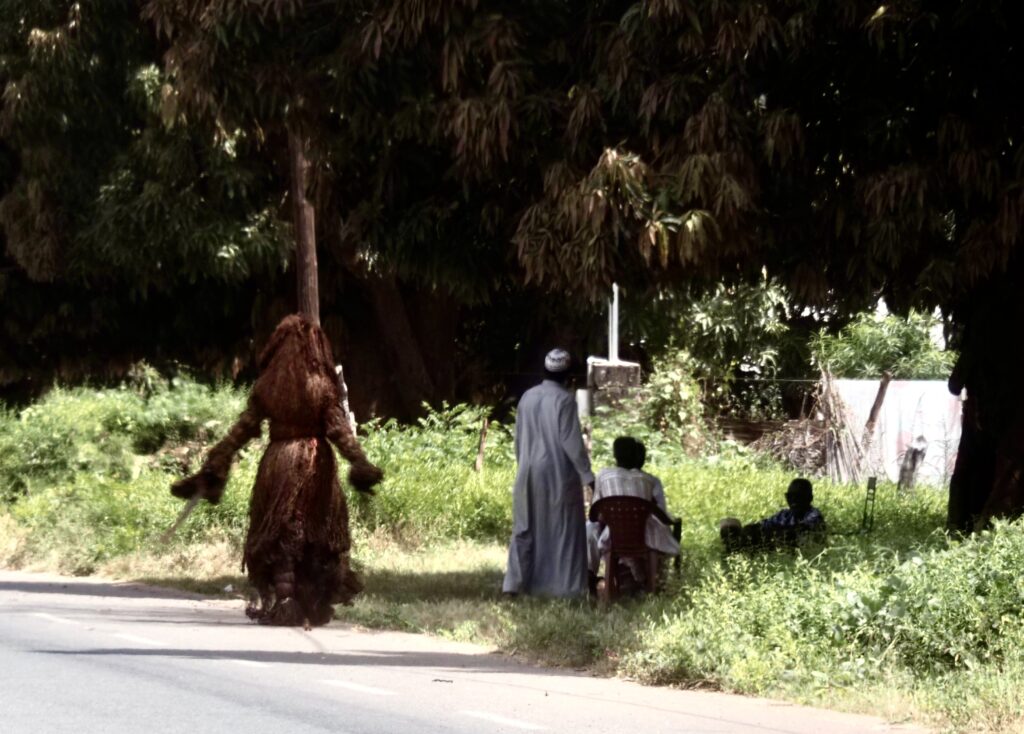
434	316
411	374
973	473
988	479
308	290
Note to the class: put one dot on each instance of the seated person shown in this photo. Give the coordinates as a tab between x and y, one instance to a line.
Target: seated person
783	529
627	479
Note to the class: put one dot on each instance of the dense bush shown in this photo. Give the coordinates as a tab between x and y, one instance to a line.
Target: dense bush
185	411
734	339
77	450
70	431
103	432
672	401
431	488
871	344
934	617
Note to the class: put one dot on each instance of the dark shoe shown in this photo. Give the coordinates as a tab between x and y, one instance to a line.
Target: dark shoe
286	613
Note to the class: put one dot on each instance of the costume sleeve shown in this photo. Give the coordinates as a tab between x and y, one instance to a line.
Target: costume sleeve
572	439
362	474
210	480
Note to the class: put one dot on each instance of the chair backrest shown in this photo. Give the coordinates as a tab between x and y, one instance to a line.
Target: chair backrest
626	518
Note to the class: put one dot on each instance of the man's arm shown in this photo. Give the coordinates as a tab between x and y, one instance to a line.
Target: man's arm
572	439
662	516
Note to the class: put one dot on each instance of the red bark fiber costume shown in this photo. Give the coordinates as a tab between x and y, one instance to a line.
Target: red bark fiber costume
297	547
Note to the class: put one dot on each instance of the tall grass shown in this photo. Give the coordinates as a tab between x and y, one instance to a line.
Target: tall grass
432	489
899	621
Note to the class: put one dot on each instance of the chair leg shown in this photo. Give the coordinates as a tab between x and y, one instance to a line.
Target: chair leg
652	571
611	587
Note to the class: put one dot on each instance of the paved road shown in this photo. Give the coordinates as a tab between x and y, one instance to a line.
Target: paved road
83	656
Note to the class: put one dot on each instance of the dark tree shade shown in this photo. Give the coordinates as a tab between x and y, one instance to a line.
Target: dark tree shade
468	152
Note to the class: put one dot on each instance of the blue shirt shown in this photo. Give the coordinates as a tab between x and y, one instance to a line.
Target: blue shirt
786	519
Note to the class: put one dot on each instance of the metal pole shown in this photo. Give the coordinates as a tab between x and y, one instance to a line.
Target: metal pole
613	325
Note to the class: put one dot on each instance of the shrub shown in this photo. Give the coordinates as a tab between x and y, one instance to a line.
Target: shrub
672	400
431	489
738	336
93	518
754	624
870	345
105	432
184	411
69	431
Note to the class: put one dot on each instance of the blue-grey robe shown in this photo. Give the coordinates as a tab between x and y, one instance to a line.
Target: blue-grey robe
548	552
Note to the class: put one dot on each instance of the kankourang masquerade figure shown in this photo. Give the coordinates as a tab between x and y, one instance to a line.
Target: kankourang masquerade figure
297	546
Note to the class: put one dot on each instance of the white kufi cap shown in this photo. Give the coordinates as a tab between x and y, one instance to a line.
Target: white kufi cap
557	360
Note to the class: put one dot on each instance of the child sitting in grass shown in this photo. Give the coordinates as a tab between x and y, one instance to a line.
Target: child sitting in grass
786	528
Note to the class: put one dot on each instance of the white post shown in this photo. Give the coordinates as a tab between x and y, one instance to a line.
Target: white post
613	326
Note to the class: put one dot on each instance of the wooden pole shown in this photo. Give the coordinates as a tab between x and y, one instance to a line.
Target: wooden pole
483	446
308	291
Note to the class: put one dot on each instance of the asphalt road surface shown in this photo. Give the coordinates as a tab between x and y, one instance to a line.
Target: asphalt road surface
87	656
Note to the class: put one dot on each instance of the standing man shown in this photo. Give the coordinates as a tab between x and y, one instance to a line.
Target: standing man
548	552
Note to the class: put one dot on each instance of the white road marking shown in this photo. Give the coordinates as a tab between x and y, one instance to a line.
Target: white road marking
142	640
250	663
55	618
359	688
494	718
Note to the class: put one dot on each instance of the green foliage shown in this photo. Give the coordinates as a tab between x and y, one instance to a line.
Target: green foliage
672	400
431	489
105	191
898	620
870	345
186	411
709	140
736	336
630	419
92	518
68	432
103	433
664	145
119	236
735	329
89	471
67	460
935	615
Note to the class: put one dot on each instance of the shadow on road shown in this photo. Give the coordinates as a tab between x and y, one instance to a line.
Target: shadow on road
117	589
399	659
